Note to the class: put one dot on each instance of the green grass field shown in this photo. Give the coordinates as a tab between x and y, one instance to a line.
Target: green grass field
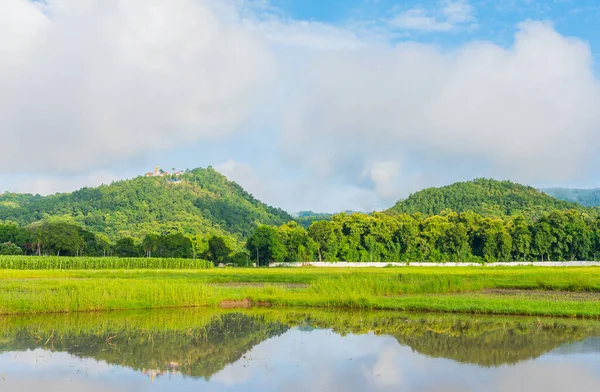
535	291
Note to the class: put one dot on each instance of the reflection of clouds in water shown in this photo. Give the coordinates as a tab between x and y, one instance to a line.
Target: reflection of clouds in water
41	370
317	361
29	384
386	371
43	359
236	373
324	361
548	377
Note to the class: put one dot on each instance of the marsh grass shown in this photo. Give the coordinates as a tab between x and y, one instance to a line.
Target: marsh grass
411	289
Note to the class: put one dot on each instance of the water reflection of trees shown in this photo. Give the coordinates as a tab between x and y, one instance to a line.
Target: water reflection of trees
201	343
488	345
197	347
481	340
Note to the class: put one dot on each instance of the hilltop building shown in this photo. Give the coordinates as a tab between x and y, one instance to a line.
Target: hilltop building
161	173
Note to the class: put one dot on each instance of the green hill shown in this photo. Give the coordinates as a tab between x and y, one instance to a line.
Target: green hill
198	201
484	196
585	197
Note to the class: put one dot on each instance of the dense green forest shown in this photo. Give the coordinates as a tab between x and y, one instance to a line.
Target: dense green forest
203	215
201	201
486	197
451	236
585	197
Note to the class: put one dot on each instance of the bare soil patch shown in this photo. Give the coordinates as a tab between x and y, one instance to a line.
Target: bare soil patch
243	303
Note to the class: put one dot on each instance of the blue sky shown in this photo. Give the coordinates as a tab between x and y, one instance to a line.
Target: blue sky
322	105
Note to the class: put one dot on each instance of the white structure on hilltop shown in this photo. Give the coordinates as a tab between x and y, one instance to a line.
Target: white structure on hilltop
161	173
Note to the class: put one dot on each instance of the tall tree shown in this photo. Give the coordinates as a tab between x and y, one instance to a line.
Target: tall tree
218	250
520	233
265	245
322	233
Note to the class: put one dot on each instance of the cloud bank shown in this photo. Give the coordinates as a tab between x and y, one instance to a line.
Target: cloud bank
357	118
529	111
88	81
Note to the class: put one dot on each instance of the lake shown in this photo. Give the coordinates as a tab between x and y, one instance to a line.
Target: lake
296	350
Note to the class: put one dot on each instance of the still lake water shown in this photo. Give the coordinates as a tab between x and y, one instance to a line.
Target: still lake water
296	350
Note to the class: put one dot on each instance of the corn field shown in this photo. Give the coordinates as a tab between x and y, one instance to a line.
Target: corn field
98	263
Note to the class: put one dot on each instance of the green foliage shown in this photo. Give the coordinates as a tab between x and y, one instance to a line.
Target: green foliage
57	236
266	246
218	250
12	233
10	249
299	246
486	197
175	245
125	247
241	259
466	236
204	202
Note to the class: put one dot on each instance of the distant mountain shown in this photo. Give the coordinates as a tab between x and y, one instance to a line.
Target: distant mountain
197	201
484	196
306	218
585	197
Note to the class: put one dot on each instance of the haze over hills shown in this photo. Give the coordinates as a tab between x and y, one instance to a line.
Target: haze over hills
585	197
486	197
197	201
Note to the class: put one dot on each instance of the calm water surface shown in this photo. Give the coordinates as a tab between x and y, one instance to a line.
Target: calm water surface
268	350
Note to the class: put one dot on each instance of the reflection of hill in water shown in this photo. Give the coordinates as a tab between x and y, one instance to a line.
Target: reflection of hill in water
487	344
588	346
194	347
480	340
200	343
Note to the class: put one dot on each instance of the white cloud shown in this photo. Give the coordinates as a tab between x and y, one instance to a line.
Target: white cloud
274	186
386	372
551	377
384	175
528	112
85	82
450	15
458	11
353	121
48	185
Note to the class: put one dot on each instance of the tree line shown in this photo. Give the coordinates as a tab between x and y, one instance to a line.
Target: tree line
450	236
378	237
63	237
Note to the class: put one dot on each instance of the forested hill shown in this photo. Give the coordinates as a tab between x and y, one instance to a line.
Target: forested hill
200	201
585	197
484	196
